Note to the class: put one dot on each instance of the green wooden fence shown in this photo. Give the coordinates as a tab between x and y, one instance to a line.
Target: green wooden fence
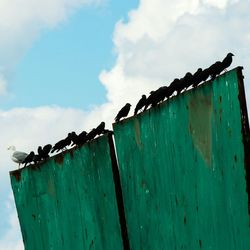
69	202
183	180
182	167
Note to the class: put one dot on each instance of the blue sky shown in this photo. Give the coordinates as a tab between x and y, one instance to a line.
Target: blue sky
62	67
59	71
69	59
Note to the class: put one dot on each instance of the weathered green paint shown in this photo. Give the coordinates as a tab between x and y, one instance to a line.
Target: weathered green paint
183	171
69	201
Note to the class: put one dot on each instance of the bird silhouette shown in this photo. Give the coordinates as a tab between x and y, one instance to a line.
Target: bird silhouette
155	97
168	91
40	151
215	69
186	81
92	134
17	156
197	77
159	95
44	152
141	103
36	158
62	144
174	85
100	128
82	138
226	62
74	138
179	85
29	158
204	75
123	112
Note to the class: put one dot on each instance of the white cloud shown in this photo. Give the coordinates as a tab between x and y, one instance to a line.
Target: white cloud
165	39
21	23
11	240
2	85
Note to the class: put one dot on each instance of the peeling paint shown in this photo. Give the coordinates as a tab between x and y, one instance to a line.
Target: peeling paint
200	126
137	133
17	174
59	158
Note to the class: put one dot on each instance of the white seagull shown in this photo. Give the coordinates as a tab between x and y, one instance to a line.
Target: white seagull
17	156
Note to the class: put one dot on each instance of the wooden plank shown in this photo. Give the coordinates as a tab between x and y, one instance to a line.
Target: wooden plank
69	201
183	172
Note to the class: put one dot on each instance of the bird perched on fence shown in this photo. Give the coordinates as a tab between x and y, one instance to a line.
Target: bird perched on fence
155	97
62	144
100	129
74	138
215	69
44	152
202	77
123	112
82	138
17	156
141	103
218	67
36	158
174	85
197	77
187	80
29	158
159	95
149	99
226	62
168	91
179	86
91	135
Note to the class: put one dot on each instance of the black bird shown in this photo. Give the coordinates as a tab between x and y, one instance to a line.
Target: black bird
160	95
40	151
100	128
227	61
168	91
78	140
29	158
150	99
140	104
123	112
156	96
62	144
92	134
82	137
187	80
46	151
204	74
179	85
36	158
174	86
74	138
215	69
197	77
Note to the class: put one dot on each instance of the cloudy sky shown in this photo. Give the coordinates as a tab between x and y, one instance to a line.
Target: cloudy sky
68	64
